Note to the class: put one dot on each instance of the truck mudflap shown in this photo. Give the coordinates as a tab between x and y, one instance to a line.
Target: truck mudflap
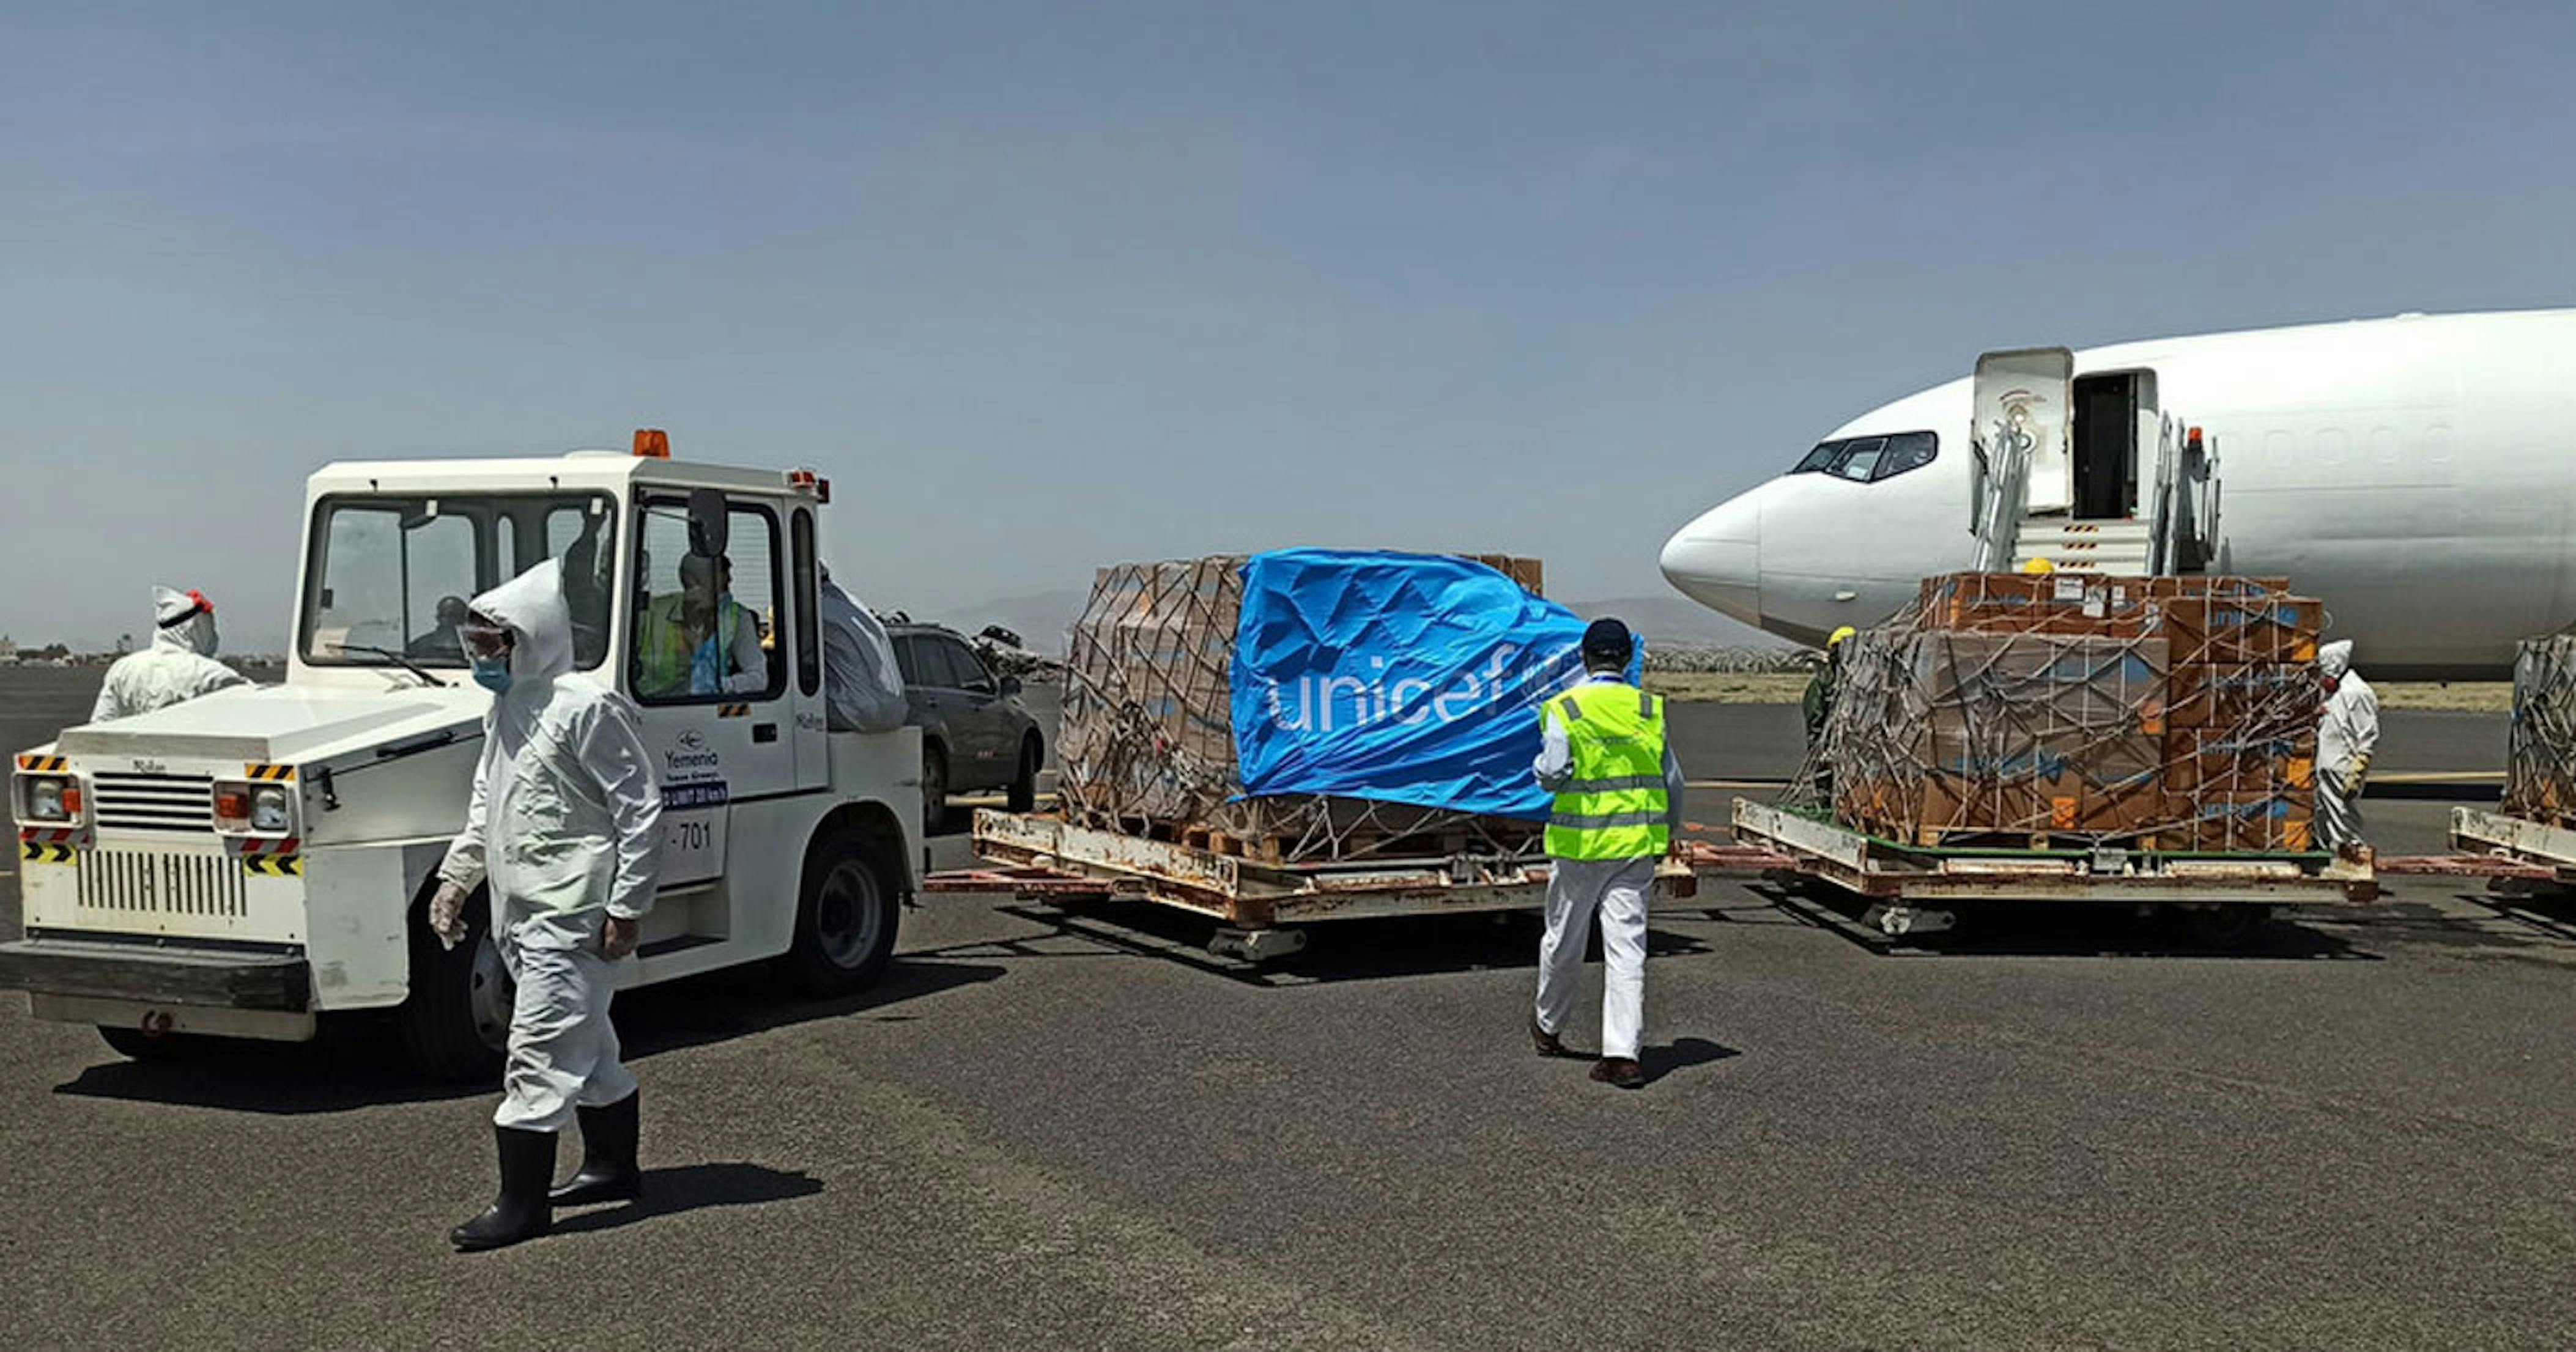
186	977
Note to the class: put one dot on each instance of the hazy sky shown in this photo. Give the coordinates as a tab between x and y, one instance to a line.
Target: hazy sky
1043	285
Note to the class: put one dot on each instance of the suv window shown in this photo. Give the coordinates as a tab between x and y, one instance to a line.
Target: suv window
965	667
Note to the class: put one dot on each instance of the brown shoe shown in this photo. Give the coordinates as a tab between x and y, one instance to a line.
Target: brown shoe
1546	1042
1618	1071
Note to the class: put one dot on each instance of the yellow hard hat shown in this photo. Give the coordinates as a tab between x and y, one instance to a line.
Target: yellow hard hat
2038	566
1838	636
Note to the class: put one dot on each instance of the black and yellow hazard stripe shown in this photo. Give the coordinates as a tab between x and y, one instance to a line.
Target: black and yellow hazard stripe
43	765
38	852
269	772
733	711
273	865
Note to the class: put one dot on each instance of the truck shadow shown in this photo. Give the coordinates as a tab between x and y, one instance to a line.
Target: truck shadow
2058	930
1374	949
358	1063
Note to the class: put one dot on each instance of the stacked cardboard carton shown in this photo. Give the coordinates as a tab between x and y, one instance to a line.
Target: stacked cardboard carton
1147	742
2540	762
2176	714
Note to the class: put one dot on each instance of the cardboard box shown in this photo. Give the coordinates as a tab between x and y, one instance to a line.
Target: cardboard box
2247	699
2225	760
2239	630
2255	823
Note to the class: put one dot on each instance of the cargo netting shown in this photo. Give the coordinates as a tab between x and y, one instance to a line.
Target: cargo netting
2064	711
1147	744
2540	760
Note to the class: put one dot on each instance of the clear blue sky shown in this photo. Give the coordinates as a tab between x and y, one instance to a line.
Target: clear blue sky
1043	286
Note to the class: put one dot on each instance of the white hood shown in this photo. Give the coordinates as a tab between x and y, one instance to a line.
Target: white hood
2334	659
182	622
532	605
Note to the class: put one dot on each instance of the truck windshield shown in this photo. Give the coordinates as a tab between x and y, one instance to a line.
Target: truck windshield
394	574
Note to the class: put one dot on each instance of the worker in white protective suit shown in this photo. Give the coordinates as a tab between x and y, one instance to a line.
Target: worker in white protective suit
178	667
1618	812
563	833
2346	737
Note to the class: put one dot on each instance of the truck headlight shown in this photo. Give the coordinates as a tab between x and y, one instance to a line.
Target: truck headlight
52	798
268	810
248	809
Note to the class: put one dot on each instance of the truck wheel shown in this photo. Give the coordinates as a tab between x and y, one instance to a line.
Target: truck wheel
1024	785
934	790
455	1025
136	1045
846	919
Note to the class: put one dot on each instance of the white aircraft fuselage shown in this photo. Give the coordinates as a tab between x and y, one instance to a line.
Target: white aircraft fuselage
2416	474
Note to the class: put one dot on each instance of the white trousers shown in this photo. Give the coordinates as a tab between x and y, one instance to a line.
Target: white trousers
563	1050
2338	817
1616	888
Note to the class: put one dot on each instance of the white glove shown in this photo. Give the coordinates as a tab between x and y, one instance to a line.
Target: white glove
447	915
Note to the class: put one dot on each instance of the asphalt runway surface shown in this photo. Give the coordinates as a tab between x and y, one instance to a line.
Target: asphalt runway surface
1077	1130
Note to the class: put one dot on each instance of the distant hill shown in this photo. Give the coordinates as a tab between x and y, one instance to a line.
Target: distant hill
1041	621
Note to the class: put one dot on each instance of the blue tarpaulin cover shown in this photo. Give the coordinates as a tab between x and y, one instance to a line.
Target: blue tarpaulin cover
1405	678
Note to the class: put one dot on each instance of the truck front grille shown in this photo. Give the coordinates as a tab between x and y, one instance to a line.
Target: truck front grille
140	882
154	802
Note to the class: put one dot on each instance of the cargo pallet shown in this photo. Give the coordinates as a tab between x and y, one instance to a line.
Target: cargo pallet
1260	908
1908	886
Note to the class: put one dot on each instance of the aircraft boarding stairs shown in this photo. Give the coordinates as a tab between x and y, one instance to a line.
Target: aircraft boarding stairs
2117	548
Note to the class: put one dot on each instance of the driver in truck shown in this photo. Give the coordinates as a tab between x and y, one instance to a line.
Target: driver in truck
563	831
701	641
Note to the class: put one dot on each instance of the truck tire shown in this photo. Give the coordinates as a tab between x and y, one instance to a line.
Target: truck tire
1024	785
846	916
455	1024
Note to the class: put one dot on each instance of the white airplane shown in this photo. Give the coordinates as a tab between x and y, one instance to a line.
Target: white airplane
2417	474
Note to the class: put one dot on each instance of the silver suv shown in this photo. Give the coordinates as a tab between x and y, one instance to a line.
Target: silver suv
975	733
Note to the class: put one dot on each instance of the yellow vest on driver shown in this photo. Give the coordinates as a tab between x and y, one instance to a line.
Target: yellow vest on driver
1616	807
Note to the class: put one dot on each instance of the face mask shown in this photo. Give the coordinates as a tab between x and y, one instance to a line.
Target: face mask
493	673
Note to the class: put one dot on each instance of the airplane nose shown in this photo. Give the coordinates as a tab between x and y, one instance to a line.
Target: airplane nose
1716	560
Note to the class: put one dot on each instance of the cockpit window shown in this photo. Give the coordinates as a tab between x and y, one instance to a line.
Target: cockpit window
1866	460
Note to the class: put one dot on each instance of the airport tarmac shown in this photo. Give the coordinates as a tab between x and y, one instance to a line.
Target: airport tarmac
1079	1131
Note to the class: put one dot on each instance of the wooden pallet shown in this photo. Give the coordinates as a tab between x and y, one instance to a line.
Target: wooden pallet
1883	869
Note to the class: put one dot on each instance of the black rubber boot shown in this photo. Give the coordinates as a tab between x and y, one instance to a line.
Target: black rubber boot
608	1172
521	1211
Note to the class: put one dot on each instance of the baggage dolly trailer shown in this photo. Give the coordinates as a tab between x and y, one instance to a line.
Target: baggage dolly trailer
1910	890
2515	848
1260	908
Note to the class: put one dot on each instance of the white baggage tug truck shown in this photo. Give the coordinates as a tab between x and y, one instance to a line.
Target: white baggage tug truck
249	863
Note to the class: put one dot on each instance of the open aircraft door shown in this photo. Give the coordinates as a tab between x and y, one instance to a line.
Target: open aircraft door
2022	423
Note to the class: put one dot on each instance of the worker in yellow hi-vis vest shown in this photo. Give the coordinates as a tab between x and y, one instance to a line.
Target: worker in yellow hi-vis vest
1603	753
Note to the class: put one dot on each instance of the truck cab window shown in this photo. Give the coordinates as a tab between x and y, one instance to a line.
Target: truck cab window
391	574
705	625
